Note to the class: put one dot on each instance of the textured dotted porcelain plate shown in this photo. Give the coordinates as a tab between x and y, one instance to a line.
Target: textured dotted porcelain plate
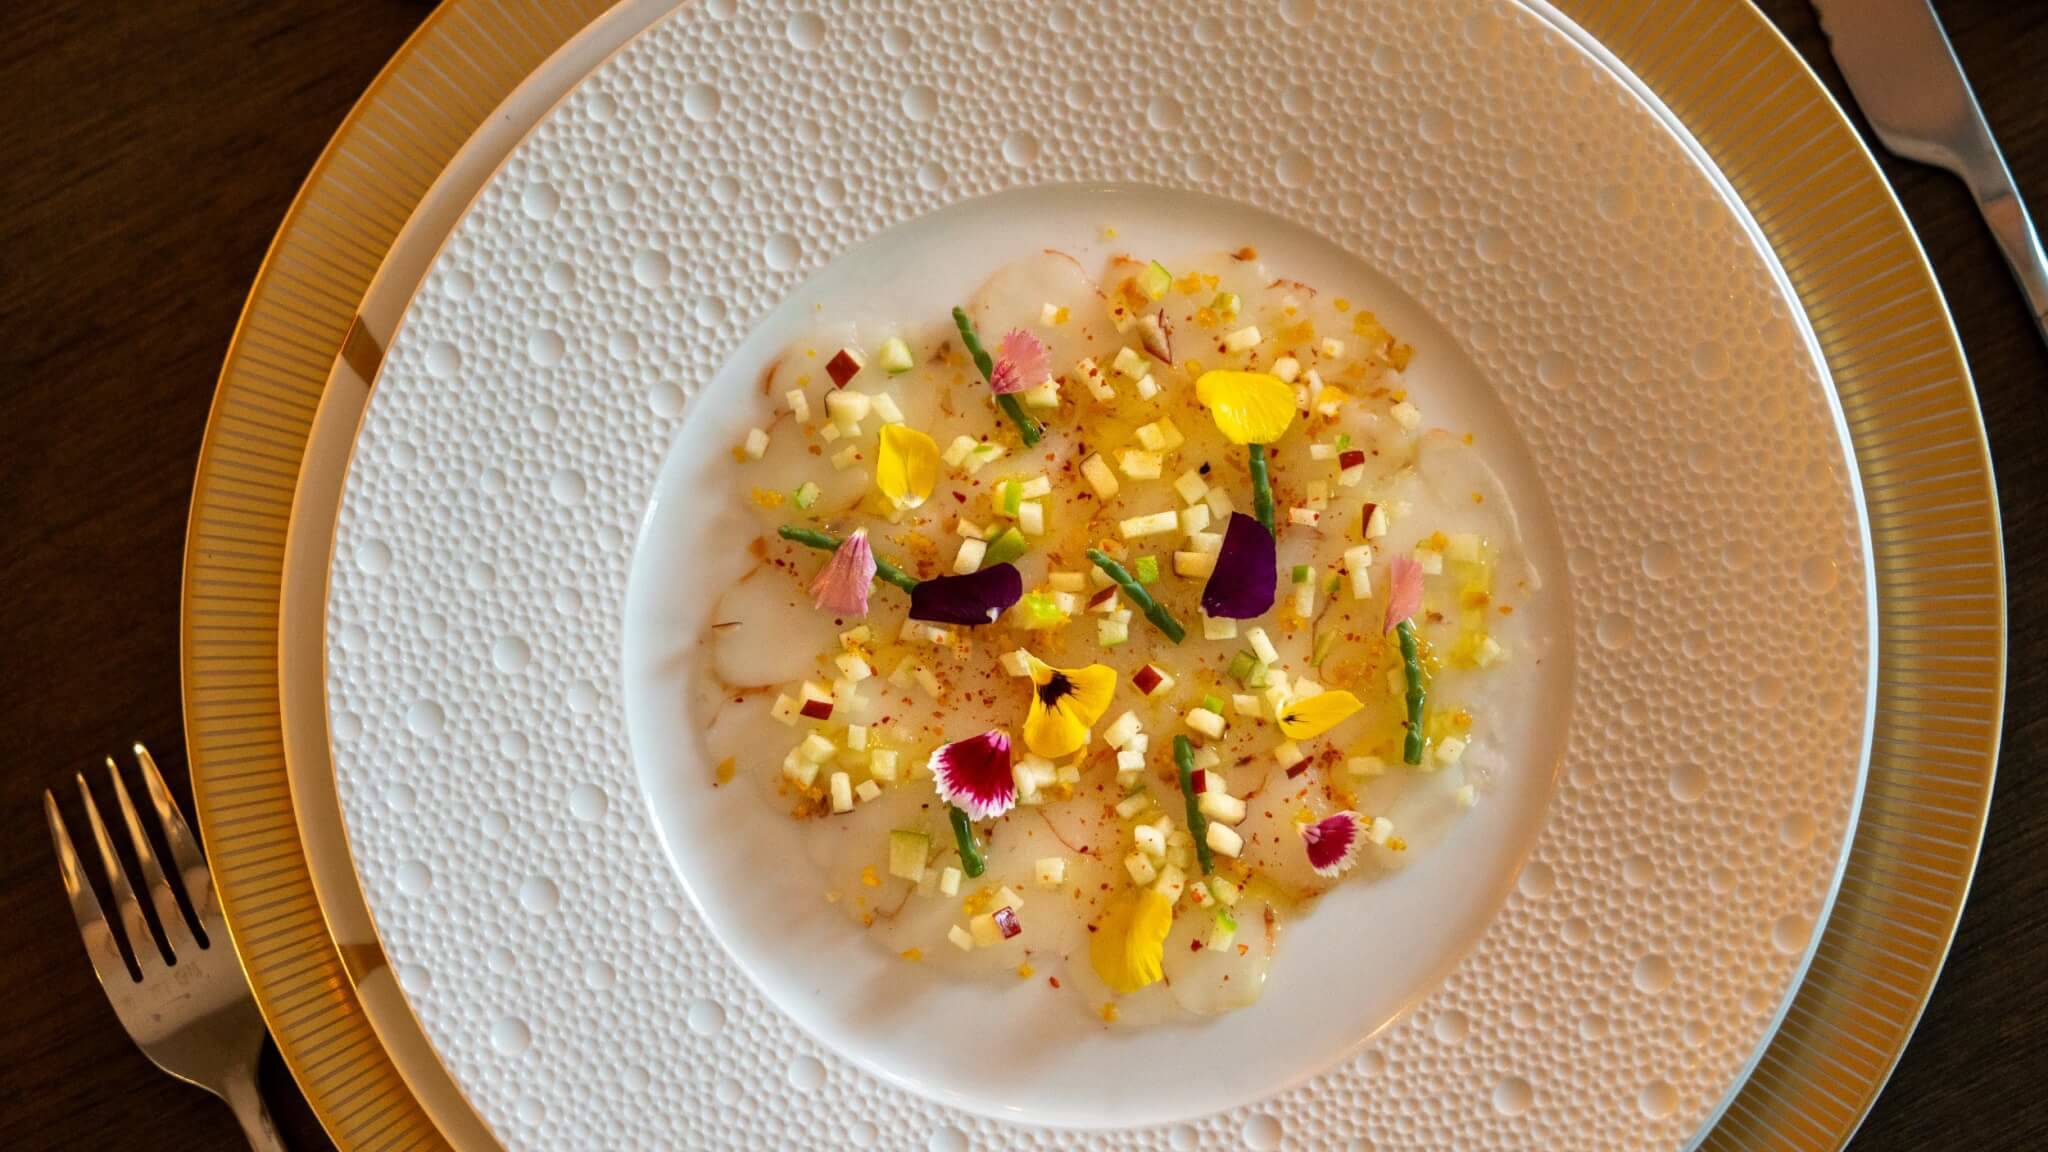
1599	956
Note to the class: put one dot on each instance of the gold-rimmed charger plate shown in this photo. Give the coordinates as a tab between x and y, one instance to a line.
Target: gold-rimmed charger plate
1718	64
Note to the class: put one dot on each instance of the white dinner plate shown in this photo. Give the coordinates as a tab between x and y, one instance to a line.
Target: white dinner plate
1581	274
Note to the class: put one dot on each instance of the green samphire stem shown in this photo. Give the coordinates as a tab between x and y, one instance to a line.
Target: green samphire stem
1027	428
811	538
1262	486
963	835
1153	609
1411	660
1198	824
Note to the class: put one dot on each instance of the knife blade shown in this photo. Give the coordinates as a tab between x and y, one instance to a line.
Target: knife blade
1905	76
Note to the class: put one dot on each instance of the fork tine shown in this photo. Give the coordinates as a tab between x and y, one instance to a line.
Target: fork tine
168	915
107	962
184	852
141	944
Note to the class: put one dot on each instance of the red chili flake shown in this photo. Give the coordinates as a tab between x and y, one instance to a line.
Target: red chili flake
1350	458
844	365
1146	679
1007	921
1365	512
1194	945
817	709
1198	781
1053	980
1297	770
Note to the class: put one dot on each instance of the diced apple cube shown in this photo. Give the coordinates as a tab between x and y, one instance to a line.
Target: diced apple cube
960	937
1140	465
1205	722
1194	519
1303	517
1289	754
756	445
1031	518
1099	477
1191	486
1151	841
1121	729
1128	363
1017	662
1050	871
1287	368
1449	750
867	791
1262	645
799	405
1218	628
1171	883
1141	868
1224	840
1209	542
1464	547
844	366
1046	395
1217	804
1407	415
886	410
1152	524
949	882
848	408
1162	435
1432	561
1358	567
846	458
841	787
1489	652
968	559
1147	387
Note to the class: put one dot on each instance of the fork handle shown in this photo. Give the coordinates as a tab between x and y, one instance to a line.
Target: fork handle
243	1096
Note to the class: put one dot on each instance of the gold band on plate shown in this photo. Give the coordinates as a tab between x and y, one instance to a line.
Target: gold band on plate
1742	91
447	77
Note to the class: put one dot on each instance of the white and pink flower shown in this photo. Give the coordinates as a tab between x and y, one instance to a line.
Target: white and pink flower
973	775
1333	842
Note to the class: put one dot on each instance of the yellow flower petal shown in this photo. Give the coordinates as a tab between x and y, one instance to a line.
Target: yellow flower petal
1316	715
1248	407
1065	704
1129	945
907	465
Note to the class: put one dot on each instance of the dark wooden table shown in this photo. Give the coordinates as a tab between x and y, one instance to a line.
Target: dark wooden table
148	150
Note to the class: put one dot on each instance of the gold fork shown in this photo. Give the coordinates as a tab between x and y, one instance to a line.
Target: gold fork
185	1003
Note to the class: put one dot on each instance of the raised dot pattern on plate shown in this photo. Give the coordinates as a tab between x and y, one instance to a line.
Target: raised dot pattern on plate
567	280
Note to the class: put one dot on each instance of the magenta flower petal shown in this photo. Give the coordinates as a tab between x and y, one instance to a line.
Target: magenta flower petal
1021	363
841	586
973	775
976	598
1247	570
1333	842
1404	590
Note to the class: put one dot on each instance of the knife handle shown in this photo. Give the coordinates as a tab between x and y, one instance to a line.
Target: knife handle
1983	169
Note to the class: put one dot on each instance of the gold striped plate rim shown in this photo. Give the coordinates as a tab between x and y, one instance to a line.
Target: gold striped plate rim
1719	65
461	62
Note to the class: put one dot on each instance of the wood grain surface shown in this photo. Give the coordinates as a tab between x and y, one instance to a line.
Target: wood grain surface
148	150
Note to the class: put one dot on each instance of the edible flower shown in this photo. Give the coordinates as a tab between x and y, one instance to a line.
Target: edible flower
1404	590
1248	407
976	598
1128	948
841	586
1241	586
1065	704
907	467
1021	363
1312	716
973	775
1333	842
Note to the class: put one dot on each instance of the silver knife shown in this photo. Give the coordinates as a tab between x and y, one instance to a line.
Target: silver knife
1907	81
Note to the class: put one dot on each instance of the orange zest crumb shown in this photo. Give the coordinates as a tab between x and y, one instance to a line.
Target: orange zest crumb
912	954
1024	971
869	878
724	772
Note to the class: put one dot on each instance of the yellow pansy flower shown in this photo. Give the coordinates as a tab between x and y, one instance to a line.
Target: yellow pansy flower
1065	703
907	465
1248	407
1129	946
1317	714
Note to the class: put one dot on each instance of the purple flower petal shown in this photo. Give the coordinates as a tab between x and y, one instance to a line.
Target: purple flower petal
1247	570
973	775
1333	842
841	586
976	598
